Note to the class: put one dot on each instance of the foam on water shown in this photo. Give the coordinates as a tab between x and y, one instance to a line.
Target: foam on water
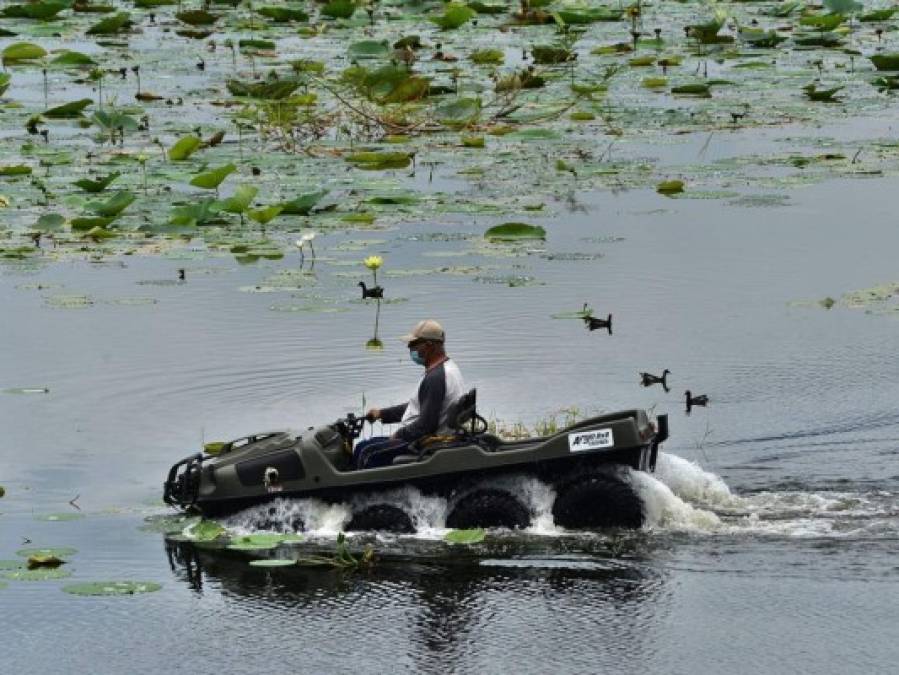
680	497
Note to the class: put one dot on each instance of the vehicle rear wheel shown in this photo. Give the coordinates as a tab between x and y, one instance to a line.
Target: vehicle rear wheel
597	501
488	507
381	517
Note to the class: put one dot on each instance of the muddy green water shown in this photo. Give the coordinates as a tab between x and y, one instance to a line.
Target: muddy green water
773	518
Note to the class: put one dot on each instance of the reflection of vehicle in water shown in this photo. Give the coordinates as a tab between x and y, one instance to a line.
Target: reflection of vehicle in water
583	463
434	607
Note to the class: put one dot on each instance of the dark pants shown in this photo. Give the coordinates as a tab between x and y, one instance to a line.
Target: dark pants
377	451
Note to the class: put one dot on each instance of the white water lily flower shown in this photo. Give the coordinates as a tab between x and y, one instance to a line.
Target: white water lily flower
4	201
305	237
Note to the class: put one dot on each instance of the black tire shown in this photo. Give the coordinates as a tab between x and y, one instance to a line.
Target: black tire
268	523
597	501
381	517
488	507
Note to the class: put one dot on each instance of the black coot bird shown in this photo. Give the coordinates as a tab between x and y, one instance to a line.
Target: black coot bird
648	379
594	323
373	292
701	400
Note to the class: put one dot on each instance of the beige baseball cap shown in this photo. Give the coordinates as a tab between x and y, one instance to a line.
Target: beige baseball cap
425	330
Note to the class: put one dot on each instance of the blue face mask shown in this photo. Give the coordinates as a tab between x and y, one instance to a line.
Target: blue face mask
417	358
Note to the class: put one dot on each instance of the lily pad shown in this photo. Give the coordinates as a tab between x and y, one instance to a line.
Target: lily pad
184	148
210	180
273	562
95	588
206	530
474	536
58	551
98	185
380	160
68	110
39	574
111	24
670	187
22	51
455	14
514	232
58	517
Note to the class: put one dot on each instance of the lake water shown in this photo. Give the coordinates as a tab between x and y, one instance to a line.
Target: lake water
773	516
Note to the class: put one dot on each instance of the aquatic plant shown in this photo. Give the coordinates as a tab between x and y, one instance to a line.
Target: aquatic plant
374	263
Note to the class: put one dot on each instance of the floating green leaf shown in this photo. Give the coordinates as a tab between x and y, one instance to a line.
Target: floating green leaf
15	170
42	11
197	17
22	51
368	49
260	542
240	201
265	214
302	205
454	15
206	530
49	222
98	185
93	588
58	551
58	517
380	160
113	206
283	14
111	24
273	90
474	536
210	180
459	112
487	56
196	213
5	79
339	9
184	148
886	61
273	562
670	187
73	59
68	110
39	574
515	231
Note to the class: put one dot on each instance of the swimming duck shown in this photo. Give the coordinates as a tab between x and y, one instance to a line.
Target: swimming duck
648	379
594	323
701	400
373	292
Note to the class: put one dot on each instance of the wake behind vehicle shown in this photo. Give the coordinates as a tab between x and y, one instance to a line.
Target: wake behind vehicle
583	463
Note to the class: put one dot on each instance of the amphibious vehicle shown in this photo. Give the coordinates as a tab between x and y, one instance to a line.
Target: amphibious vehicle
586	464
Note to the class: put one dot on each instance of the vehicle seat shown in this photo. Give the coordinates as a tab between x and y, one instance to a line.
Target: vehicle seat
467	426
464	411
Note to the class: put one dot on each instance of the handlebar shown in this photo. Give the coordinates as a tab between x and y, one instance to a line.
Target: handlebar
350	427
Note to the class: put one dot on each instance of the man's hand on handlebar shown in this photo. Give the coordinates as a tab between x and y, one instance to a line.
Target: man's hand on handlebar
373	414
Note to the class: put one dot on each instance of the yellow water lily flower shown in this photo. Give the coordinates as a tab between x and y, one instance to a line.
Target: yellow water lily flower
373	262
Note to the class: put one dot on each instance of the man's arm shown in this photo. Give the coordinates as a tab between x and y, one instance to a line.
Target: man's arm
393	414
430	400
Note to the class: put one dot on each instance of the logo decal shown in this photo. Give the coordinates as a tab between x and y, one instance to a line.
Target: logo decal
590	440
